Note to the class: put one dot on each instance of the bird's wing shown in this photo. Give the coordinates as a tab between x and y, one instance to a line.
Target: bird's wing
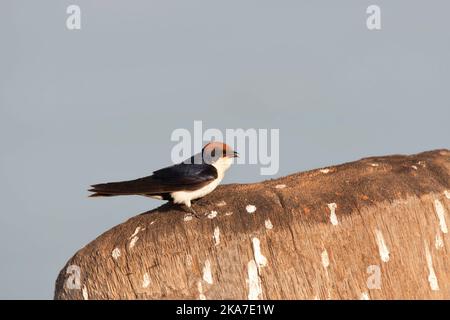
180	177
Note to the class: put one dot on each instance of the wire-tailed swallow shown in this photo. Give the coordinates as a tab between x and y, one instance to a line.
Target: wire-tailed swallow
181	183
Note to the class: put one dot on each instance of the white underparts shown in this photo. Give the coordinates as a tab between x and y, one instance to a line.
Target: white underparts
185	197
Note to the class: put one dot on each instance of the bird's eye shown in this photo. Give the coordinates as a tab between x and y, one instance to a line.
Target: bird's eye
213	153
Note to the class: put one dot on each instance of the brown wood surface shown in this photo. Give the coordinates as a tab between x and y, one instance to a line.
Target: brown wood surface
387	239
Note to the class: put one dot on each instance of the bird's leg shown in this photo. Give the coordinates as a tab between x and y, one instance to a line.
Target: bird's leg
194	212
188	208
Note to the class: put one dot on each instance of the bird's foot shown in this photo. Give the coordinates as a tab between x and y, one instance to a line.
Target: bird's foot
190	210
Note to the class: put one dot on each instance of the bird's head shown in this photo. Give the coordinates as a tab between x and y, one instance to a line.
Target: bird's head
218	154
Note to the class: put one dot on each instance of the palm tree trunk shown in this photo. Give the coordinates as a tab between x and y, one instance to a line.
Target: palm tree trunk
376	228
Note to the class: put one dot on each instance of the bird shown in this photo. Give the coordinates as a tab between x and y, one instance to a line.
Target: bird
181	183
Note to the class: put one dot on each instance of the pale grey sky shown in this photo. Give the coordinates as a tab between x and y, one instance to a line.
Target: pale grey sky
100	103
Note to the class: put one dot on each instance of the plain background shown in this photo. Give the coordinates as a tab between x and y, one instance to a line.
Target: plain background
100	103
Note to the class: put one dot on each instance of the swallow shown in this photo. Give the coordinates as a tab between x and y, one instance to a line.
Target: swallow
181	183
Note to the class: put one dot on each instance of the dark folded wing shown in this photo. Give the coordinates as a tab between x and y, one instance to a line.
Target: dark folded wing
180	177
186	174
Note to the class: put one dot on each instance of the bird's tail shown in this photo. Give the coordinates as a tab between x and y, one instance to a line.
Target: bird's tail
110	189
99	194
142	186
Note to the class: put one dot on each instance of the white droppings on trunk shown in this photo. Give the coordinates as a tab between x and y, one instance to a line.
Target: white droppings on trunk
382	248
440	212
250	208
136	231
268	224
325	259
152	222
422	163
414	167
146	280
325	264
280	186
133	242
333	218
216	236
432	279
212	215
207	275
201	295
115	253
229	213
447	194
374	164
364	296
187	217
326	170
439	242
85	293
221	203
254	281
260	260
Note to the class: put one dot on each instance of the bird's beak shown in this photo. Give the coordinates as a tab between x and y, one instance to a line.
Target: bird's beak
232	154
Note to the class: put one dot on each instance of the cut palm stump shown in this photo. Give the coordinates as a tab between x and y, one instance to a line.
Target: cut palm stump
371	229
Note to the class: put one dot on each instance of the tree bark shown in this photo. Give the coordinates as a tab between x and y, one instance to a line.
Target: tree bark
371	229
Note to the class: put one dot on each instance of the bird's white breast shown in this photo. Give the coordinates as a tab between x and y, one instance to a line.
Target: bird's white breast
185	197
